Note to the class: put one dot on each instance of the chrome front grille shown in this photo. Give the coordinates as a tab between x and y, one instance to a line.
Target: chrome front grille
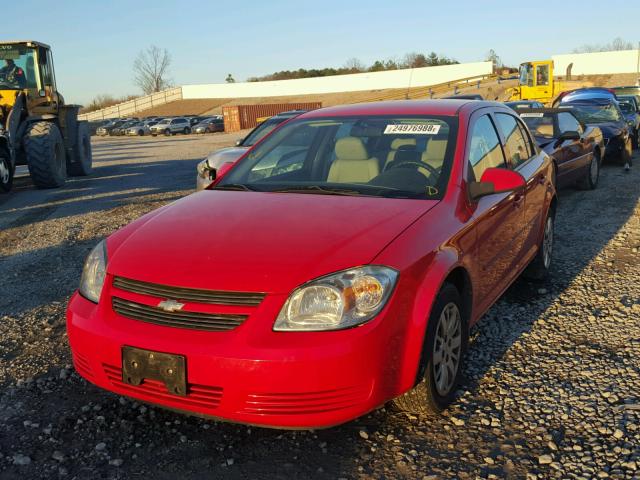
210	322
189	294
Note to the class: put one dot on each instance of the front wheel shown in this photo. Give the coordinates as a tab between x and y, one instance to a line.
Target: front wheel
46	156
186	130
443	355
167	132
82	163
539	267
591	176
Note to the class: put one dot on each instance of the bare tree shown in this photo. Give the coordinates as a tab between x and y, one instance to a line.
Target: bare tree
494	58
355	65
415	60
615	45
151	69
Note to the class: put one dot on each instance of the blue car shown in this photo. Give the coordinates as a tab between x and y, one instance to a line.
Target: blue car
604	112
631	112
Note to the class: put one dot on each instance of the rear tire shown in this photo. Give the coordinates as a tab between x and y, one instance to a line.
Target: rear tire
442	356
46	157
6	172
140	133
83	157
539	267
167	132
590	179
186	130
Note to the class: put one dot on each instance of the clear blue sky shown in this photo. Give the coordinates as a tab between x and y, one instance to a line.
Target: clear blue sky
96	42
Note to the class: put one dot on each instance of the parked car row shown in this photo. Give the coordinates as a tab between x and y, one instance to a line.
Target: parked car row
160	125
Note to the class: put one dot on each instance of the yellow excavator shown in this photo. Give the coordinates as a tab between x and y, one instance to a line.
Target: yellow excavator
37	128
536	82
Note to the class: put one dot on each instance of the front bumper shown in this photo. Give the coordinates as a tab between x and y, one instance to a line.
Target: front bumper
250	374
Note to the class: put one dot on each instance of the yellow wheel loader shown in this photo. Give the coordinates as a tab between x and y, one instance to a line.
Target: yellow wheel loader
536	82
37	129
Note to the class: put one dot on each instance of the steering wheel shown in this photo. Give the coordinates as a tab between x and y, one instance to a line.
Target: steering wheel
432	170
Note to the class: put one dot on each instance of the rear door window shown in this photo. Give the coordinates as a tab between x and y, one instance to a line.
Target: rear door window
568	123
517	146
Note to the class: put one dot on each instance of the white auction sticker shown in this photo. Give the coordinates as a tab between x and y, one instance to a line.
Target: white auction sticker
412	129
532	115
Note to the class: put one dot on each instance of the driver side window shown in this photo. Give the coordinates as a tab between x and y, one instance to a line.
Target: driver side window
484	148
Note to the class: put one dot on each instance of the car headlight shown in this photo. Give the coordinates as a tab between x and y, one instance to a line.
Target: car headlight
94	272
340	300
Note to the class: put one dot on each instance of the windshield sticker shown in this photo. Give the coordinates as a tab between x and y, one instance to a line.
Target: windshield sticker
532	115
412	129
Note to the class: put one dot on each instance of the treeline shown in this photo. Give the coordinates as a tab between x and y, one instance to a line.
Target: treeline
354	65
104	101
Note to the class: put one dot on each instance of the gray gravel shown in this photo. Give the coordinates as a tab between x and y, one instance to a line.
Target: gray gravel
551	389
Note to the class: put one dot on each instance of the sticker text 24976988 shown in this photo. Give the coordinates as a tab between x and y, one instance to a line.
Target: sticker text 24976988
412	129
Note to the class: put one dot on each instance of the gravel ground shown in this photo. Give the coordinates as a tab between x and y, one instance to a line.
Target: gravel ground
551	389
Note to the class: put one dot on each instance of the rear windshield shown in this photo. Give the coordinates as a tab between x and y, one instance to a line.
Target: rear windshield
401	157
540	124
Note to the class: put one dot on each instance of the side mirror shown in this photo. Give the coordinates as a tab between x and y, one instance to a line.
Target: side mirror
238	143
496	180
569	135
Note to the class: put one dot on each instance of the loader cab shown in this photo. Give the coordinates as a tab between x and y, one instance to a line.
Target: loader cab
536	80
28	67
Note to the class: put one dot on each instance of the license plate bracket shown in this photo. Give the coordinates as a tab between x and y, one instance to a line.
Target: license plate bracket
170	369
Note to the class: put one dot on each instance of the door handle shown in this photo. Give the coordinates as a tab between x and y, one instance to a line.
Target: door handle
517	199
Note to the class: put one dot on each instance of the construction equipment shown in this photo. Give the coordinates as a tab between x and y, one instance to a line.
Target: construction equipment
536	82
37	128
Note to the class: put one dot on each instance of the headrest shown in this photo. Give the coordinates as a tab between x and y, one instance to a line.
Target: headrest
407	156
544	130
402	142
351	148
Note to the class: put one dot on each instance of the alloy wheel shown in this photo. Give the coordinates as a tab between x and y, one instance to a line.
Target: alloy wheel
447	348
5	173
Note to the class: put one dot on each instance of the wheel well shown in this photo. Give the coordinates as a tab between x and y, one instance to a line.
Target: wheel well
554	204
460	279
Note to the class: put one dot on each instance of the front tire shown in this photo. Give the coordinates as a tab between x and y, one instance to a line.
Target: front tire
186	130
590	179
82	164
46	156
443	356
167	132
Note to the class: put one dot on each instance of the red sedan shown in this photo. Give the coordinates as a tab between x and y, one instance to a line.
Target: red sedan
336	266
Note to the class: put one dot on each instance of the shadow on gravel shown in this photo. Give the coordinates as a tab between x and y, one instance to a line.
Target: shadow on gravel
582	231
109	186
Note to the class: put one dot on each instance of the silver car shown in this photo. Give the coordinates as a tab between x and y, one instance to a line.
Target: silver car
171	126
206	169
139	129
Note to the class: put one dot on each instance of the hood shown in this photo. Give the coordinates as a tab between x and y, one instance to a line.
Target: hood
258	242
610	129
230	154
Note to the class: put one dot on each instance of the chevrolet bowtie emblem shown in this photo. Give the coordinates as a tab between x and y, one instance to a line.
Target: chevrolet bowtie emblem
170	305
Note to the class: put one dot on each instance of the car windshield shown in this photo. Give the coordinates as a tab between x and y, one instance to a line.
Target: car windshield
594	113
17	67
399	157
262	130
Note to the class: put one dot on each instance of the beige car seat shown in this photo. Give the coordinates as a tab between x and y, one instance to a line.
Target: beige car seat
434	153
544	130
352	163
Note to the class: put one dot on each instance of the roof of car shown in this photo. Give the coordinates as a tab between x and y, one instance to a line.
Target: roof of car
545	110
401	107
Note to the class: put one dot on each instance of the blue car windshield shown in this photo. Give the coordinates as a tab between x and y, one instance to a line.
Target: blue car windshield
595	113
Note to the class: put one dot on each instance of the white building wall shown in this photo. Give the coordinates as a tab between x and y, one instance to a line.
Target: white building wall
624	61
416	77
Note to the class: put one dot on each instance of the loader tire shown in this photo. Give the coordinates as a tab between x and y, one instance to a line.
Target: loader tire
46	157
7	171
82	164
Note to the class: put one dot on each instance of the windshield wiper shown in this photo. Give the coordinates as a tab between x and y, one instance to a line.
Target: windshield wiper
237	186
318	189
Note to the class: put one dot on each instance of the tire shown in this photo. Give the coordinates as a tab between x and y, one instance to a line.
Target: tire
186	130
167	132
46	156
627	153
590	179
436	391
82	156
6	172
539	267
636	139
140	133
